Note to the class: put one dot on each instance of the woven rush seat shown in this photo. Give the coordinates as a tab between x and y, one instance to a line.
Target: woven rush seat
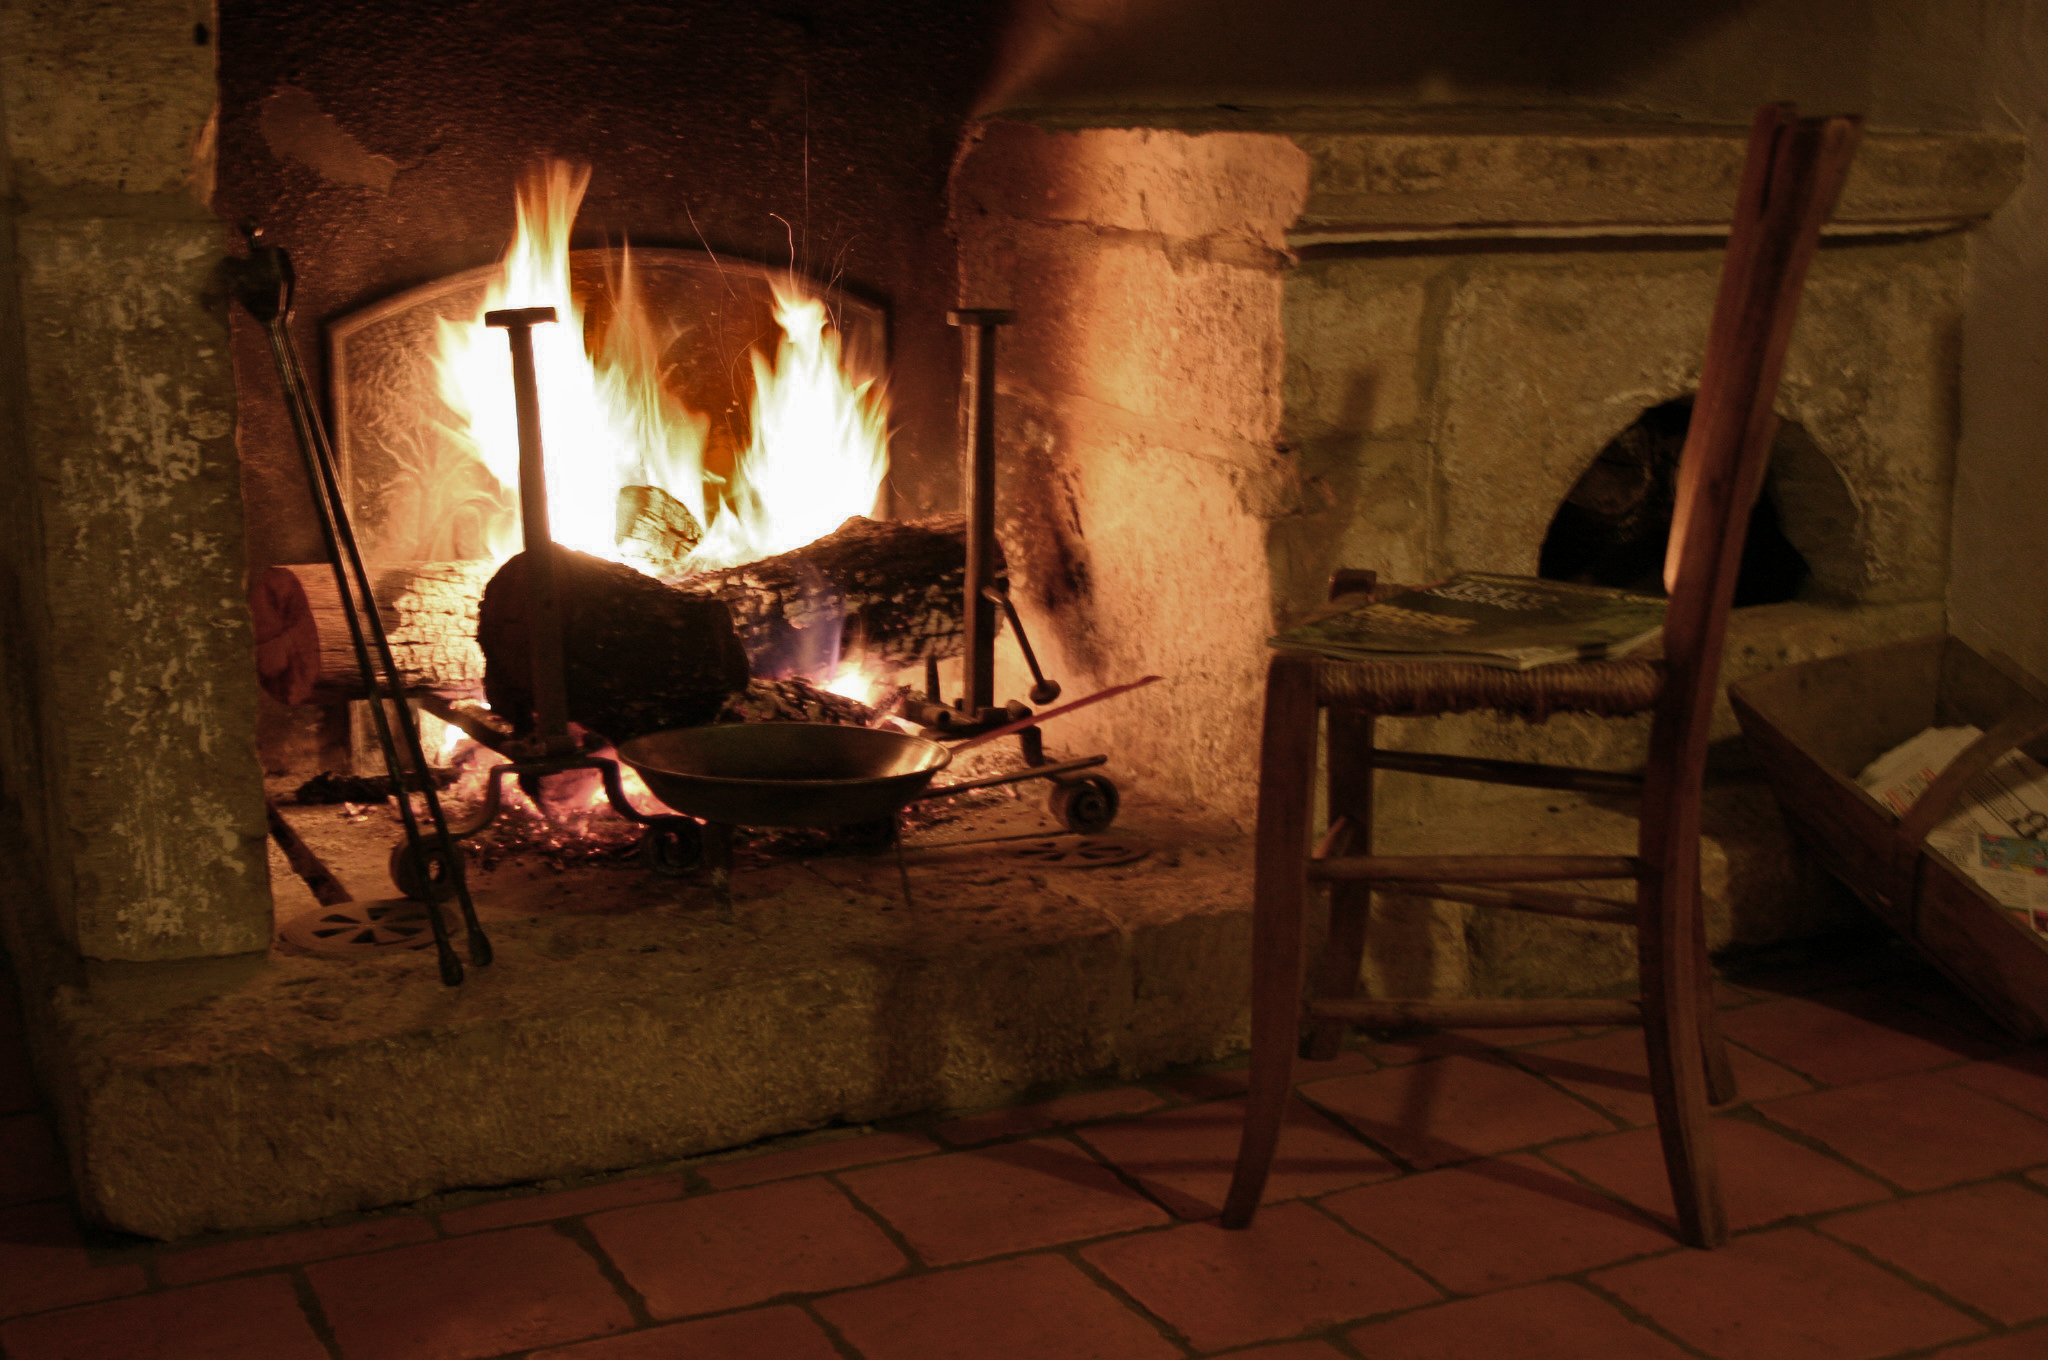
1428	689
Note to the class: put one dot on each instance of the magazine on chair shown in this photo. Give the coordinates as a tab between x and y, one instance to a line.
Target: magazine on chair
1514	622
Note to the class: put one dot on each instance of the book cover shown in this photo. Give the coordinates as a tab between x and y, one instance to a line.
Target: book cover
1514	622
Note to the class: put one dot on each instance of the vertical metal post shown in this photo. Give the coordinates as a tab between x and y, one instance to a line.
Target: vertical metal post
544	603
978	486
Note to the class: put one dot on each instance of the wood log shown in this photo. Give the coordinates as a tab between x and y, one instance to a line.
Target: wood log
882	594
303	651
639	656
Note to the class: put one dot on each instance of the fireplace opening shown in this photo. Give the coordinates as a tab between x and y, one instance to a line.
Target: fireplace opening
1612	526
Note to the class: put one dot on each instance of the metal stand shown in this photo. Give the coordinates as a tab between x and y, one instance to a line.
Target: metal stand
671	844
1084	802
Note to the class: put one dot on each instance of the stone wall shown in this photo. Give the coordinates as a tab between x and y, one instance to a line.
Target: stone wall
1138	409
127	753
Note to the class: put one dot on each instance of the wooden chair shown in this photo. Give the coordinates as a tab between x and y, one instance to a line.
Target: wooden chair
1790	179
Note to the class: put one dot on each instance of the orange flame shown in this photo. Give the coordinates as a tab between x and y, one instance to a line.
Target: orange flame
819	445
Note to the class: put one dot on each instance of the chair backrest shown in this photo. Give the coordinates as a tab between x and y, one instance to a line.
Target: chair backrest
1791	177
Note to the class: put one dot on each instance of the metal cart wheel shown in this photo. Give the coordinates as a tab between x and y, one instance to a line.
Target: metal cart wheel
1086	805
425	875
672	846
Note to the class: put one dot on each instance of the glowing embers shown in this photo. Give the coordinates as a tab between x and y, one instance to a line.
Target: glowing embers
813	451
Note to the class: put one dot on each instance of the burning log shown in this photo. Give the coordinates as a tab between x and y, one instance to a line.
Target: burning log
882	595
876	593
639	656
656	530
303	651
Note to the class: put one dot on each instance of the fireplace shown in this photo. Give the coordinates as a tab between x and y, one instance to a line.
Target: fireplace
1247	349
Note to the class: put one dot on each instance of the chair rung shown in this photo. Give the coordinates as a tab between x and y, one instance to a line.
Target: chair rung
1575	906
1473	868
1517	772
1489	1014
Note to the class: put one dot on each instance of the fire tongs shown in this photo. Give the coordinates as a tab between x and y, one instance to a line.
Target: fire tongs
670	843
262	283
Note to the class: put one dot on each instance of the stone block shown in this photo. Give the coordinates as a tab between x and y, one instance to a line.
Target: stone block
148	689
628	1029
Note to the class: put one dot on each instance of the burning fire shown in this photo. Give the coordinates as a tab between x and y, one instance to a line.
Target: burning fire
819	440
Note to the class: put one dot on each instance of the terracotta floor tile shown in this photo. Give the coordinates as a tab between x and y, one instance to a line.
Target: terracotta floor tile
2030	1345
467	1297
1986	1245
2017	1079
44	1265
1233	1081
1470	1042
992	1201
290	1248
740	1247
1027	1308
1184	1156
1838	1039
1454	1108
759	1334
259	1316
1498	1223
506	1213
1613	1071
2040	1177
1922	1131
814	1158
1547	1322
1764	1176
31	1165
1291	1271
1291	1350
1048	1114
1784	1295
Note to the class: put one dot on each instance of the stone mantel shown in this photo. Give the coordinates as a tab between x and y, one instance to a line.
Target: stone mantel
1382	176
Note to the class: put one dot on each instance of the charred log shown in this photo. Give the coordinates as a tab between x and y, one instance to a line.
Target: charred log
303	651
639	656
879	593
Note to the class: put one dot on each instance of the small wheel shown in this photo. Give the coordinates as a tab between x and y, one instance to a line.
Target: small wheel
673	846
425	876
1086	806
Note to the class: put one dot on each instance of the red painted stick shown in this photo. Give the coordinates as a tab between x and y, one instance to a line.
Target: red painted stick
1037	718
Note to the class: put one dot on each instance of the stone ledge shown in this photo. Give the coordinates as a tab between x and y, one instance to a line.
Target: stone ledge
623	1025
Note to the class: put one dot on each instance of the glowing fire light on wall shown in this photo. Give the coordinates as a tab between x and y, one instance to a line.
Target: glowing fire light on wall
819	440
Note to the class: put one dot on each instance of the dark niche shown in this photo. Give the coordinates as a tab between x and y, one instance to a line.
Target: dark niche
1613	525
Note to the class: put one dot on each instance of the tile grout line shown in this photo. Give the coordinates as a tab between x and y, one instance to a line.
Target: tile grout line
315	1311
578	1232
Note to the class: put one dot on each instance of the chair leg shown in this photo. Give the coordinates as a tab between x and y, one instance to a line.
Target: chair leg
1279	908
1721	1084
1670	950
1350	759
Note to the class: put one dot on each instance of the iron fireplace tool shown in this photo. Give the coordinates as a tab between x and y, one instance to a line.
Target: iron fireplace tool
263	284
671	844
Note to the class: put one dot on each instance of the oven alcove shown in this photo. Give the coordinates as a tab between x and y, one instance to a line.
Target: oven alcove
1613	526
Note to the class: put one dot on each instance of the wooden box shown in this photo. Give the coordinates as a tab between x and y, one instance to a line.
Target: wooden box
1814	726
